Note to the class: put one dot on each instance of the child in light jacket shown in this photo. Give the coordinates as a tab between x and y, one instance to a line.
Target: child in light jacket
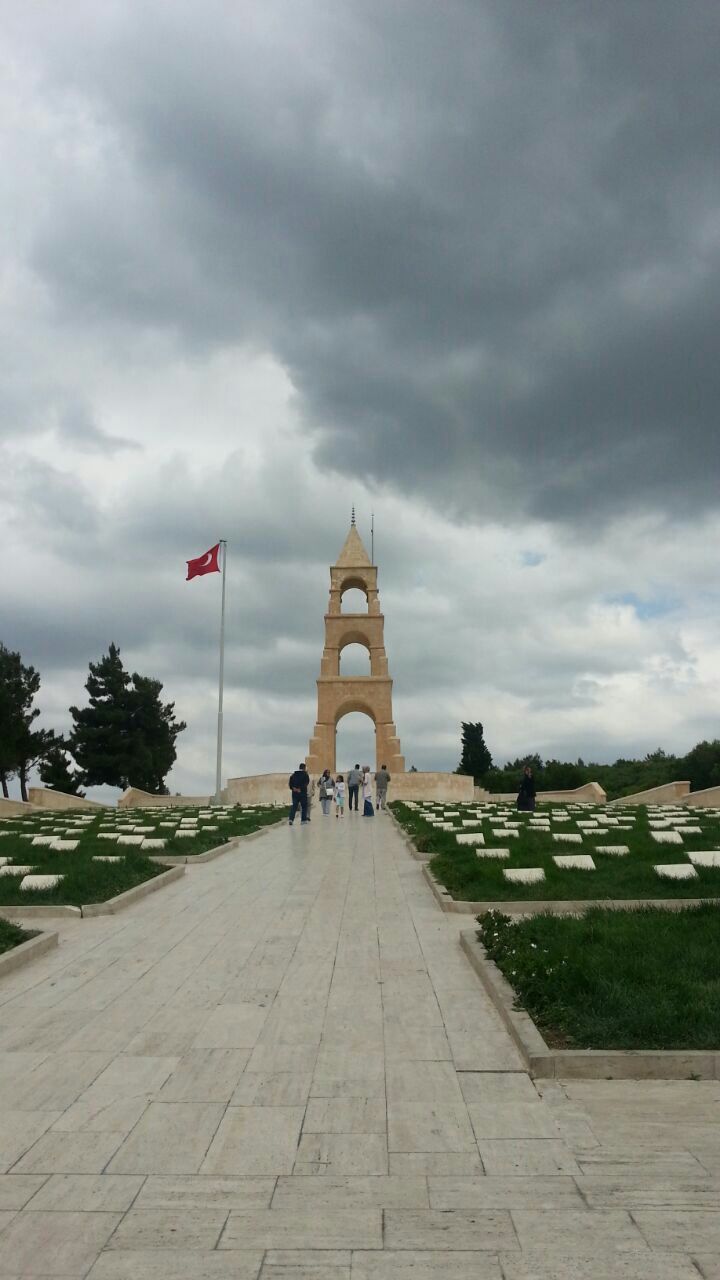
339	796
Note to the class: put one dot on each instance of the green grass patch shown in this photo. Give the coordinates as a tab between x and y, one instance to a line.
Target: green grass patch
471	878
11	936
645	978
85	880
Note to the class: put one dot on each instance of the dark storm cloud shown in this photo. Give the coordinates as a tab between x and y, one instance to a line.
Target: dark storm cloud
481	237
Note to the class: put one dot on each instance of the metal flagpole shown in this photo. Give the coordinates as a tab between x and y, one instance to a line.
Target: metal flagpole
372	538
218	771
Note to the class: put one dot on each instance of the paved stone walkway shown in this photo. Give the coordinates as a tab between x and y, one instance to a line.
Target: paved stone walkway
284	1063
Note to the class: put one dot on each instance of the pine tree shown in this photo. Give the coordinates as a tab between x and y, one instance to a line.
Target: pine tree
100	738
126	736
475	759
55	772
154	731
21	746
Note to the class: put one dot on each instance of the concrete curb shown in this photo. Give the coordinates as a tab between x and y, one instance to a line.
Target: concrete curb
581	1064
43	911
408	841
27	951
556	907
195	860
137	892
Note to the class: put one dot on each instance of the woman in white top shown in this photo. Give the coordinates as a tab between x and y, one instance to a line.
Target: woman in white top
367	792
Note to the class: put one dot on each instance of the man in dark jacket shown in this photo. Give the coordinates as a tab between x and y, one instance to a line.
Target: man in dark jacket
298	783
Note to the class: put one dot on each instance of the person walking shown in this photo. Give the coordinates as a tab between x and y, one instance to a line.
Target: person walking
326	788
382	778
339	796
527	792
354	779
368	811
298	782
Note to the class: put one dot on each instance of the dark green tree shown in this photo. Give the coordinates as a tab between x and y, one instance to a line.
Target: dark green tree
21	745
126	736
701	766
475	759
100	737
55	772
153	731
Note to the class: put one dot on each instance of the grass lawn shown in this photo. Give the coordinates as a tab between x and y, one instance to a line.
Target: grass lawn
11	936
86	880
480	879
645	978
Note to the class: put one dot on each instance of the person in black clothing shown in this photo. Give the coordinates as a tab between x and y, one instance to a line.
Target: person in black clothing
526	794
298	783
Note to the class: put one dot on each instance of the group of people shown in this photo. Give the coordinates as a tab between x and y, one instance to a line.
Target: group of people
336	790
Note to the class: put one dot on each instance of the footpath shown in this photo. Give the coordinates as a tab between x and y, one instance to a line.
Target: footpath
283	1066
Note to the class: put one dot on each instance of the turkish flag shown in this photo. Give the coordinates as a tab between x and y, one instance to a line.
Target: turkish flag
204	564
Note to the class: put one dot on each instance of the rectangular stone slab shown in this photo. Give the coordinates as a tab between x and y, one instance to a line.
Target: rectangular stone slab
574	861
676	871
524	875
39	882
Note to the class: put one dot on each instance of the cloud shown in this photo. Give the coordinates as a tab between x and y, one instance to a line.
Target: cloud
457	264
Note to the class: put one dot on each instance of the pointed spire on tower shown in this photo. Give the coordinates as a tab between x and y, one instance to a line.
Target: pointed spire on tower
353	552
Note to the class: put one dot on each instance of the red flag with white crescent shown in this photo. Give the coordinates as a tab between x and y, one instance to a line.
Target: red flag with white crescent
204	564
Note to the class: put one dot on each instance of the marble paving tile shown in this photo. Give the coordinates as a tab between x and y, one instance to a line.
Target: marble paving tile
421	1044
254	1140
456	1229
297	1229
602	1192
174	1264
531	1157
455	1164
579	1230
282	1058
69	1153
429	1126
332	1192
54	1244
639	1161
597	1265
342	1153
514	1119
204	1192
307	1264
345	1115
496	1087
345	1073
272	1089
186	1229
680	1230
232	1026
17	1188
88	1193
518	1192
205	1075
427	1264
171	1137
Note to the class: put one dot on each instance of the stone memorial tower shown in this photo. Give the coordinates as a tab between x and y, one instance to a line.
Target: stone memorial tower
338	695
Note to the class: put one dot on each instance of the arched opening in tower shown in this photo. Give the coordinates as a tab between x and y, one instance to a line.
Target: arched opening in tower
355	741
355	660
353	600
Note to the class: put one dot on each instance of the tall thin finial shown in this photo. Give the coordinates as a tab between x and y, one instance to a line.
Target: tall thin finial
372	538
353	516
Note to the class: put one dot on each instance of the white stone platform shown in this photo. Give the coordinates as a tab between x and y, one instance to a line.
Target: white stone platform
284	1062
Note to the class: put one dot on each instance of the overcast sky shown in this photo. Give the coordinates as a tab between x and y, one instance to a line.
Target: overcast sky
457	264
